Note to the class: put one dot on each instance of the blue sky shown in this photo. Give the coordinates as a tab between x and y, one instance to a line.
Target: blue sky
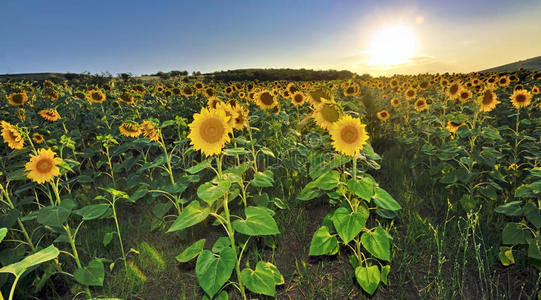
150	36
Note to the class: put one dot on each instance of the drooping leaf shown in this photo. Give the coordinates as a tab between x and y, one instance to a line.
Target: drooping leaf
92	212
191	252
91	275
348	224
210	192
323	243
37	258
377	243
511	209
213	271
506	256
263	179
368	278
258	222
384	200
190	215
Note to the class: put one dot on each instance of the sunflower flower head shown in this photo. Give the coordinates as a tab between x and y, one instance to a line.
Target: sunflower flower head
12	136
209	131
348	135
43	166
521	98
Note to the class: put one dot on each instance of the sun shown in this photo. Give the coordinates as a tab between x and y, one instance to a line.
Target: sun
392	45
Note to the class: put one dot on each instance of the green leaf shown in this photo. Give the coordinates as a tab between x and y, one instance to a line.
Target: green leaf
54	216
213	271
506	256
348	224
363	188
92	212
107	238
263	179
199	167
258	222
267	152
323	243
37	258
534	248
3	232
262	280
221	242
167	123
384	200
513	235
385	270
235	151
210	192
190	215
309	192
368	278
511	209
328	181
377	243
191	252
533	214
92	275
524	191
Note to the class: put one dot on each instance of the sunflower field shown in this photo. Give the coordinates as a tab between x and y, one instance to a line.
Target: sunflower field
401	187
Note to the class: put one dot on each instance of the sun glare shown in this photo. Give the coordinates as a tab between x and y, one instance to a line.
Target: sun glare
392	45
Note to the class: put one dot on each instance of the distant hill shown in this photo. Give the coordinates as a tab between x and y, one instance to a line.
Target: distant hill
532	64
33	76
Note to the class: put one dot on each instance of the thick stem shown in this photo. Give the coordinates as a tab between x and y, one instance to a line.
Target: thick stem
120	237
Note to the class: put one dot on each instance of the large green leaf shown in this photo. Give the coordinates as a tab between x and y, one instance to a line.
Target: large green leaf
534	248
258	222
210	192
363	188
92	212
512	234
309	192
191	252
3	232
377	243
263	179
92	275
533	214
328	181
190	215
348	224
384	200
511	209
37	258
199	167
263	279
213	271
323	243
54	216
368	278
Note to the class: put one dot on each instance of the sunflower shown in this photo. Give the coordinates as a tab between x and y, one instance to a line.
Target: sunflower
504	81
212	102
198	86
12	136
464	95
229	110
452	127
150	131
535	90
229	90
50	93
209	92
176	91
240	120
536	76
420	104
395	102
17	99
348	135
130	129
79	95
352	90
43	167
209	131
187	91
521	98
454	90
96	96
38	138
488	100
276	109
49	115
410	94
383	115
318	94
298	98
265	99
326	114
126	98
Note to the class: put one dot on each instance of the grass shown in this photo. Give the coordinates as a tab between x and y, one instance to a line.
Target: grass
438	252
